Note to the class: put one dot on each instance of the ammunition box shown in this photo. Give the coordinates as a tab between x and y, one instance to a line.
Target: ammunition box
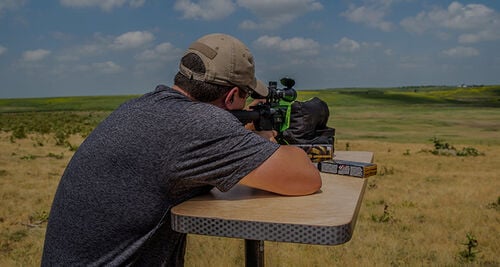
317	152
350	168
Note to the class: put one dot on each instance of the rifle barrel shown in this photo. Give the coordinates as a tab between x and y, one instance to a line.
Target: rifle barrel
246	116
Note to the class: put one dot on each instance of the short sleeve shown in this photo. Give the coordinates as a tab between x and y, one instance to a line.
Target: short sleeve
218	150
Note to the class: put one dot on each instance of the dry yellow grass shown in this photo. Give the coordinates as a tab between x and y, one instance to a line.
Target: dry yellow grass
30	170
433	202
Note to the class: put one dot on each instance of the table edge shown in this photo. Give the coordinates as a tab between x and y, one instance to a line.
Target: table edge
267	231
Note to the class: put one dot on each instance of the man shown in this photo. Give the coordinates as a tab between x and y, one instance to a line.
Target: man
112	206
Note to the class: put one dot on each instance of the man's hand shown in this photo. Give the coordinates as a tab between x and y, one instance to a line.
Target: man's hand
269	135
255	102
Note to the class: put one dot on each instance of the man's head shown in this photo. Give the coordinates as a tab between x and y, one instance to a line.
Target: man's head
214	65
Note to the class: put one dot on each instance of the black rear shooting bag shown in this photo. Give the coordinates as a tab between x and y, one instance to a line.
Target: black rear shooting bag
308	128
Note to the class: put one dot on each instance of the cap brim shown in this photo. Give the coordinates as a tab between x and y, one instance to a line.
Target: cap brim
260	88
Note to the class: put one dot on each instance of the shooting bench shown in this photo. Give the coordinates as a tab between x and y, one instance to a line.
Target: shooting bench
325	218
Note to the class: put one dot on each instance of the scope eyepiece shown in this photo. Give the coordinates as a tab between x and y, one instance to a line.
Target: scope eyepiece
287	94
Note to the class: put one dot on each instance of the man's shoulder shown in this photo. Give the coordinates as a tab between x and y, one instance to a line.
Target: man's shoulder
161	97
163	88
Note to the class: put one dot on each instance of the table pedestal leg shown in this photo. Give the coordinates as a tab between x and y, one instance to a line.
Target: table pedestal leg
254	253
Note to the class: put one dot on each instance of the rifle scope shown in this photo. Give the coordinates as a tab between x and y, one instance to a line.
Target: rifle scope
287	94
276	94
273	114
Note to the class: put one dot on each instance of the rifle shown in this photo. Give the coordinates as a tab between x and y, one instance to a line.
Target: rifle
274	113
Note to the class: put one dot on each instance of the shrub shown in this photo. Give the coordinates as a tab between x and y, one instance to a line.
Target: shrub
469	253
445	149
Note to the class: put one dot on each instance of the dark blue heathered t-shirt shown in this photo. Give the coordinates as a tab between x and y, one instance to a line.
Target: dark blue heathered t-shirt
112	206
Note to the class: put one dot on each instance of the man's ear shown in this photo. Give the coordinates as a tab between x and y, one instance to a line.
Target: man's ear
228	102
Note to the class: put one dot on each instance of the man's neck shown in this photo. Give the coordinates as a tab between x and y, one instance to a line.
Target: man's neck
217	102
180	90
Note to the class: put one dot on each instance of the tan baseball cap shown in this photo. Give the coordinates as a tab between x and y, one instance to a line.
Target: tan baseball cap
227	62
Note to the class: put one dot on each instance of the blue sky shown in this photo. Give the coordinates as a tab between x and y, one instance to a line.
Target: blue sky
114	47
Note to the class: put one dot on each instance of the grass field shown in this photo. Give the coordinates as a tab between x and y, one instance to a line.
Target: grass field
423	208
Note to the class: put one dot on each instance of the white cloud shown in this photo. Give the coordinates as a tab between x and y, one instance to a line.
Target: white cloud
418	24
89	49
268	23
271	14
98	46
296	45
490	34
268	8
470	16
274	14
205	9
157	59
132	40
372	16
108	67
35	55
473	22
106	5
10	4
2	50
163	51
347	45
137	3
252	25
461	52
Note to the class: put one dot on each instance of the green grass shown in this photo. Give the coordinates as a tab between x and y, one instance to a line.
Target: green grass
485	96
61	115
464	115
409	114
63	123
77	103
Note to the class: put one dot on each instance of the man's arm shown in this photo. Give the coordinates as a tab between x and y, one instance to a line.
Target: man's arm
287	172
